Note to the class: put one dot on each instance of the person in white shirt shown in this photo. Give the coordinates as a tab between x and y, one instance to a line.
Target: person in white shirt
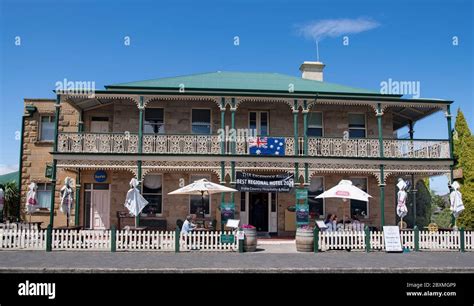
188	226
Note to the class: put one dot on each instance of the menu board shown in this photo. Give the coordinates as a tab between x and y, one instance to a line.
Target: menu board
391	236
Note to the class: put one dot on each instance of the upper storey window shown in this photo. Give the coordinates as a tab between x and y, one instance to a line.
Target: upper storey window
154	121
47	128
315	124
357	127
201	121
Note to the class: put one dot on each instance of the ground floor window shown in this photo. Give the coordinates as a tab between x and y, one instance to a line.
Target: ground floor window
152	191
359	209
44	195
196	205
316	206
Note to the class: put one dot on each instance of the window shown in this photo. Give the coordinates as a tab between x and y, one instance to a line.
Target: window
196	204
357	125
44	195
259	121
154	121
315	124
316	206
47	128
152	191
359	208
201	121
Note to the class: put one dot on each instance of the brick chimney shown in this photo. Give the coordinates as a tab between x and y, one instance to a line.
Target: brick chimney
312	71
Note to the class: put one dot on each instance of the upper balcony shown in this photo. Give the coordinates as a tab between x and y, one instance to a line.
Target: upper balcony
128	143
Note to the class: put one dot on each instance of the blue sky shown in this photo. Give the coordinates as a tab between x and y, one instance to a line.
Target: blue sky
84	40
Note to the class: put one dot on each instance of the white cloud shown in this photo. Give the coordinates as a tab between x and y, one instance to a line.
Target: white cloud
320	29
4	169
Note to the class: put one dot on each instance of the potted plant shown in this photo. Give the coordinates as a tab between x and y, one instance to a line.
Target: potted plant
305	238
250	241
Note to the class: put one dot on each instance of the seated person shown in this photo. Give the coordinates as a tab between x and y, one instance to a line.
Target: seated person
188	226
330	222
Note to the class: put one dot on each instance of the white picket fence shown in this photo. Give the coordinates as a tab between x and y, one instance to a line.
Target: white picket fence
79	240
22	239
207	241
145	240
100	240
428	241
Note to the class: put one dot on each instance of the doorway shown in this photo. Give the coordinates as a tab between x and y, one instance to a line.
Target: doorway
97	206
258	216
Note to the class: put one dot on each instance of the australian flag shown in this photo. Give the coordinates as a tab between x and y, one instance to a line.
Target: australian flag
267	146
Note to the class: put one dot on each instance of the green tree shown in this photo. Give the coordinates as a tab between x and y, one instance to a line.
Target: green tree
423	206
464	159
11	208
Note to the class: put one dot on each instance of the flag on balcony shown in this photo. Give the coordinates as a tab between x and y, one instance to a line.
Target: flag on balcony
267	146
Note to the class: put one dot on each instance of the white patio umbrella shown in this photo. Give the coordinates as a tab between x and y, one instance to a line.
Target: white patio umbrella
345	190
457	206
67	198
201	187
402	210
134	201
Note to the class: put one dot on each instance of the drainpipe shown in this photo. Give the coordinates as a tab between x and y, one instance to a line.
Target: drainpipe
382	180
31	110
55	149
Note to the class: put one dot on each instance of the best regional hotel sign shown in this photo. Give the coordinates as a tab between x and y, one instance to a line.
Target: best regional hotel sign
249	182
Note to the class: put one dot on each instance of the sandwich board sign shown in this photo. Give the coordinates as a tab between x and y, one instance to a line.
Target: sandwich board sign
391	237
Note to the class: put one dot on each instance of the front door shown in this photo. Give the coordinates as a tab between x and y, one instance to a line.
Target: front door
100	212
258	215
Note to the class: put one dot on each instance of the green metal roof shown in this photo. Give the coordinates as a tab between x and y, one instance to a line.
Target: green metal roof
241	81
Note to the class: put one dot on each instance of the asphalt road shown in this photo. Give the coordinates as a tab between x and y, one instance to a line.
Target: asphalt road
215	262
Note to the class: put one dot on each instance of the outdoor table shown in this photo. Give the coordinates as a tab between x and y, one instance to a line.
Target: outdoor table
35	224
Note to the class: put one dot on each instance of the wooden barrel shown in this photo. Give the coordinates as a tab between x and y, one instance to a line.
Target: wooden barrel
304	240
250	242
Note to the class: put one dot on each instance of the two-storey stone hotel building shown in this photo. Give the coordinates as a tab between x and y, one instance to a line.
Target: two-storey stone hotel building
165	132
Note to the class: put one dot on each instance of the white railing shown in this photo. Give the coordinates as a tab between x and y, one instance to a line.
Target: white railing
78	240
416	148
98	142
207	241
129	240
428	241
435	241
340	147
181	144
340	240
22	239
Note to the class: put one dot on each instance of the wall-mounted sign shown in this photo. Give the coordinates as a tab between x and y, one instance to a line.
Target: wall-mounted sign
301	194
100	176
302	214
227	211
49	171
249	182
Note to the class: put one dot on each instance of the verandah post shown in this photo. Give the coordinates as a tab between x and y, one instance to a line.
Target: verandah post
141	108
382	197
462	237
367	239
295	126
113	240
176	239
416	238
49	237
316	239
